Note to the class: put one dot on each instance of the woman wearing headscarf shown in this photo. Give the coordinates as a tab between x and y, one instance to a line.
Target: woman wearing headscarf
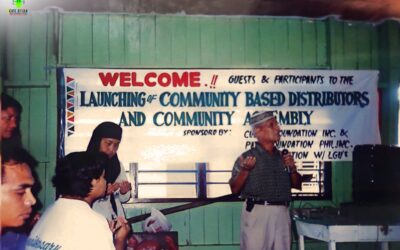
106	138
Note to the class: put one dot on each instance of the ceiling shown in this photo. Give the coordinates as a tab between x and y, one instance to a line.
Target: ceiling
365	10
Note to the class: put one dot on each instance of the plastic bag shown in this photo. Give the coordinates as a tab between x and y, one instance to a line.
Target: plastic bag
156	222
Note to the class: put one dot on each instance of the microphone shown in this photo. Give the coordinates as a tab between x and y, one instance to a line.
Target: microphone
295	178
285	152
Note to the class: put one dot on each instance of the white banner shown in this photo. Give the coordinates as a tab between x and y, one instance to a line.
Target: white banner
201	115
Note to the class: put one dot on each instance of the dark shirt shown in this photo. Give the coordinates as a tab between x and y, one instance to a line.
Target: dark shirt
268	180
13	241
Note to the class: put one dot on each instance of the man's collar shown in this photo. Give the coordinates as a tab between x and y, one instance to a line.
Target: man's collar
260	148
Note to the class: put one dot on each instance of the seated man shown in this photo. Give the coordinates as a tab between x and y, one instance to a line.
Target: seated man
16	196
70	223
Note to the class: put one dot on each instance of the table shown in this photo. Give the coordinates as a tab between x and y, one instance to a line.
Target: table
341	229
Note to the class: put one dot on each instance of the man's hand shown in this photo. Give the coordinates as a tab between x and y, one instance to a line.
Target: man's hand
295	177
121	230
288	162
125	187
247	163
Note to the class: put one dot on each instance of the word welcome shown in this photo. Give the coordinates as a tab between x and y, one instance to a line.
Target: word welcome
151	79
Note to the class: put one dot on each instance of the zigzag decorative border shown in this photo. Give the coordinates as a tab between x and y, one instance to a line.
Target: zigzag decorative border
70	107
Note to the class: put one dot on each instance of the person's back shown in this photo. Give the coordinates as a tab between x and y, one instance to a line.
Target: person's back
71	224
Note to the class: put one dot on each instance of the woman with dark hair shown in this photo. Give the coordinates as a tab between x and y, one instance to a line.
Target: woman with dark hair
106	138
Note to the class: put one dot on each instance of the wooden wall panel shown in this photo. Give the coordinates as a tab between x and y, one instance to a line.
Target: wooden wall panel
77	39
223	55
68	39
38	46
322	39
267	45
225	221
132	41
116	40
364	58
350	49
163	40
193	44
37	113
309	42
148	41
180	222
179	41
101	39
18	41
196	226
294	43
236	40
251	42
212	226
280	37
207	42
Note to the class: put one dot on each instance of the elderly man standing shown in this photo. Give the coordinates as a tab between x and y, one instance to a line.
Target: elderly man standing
16	196
264	176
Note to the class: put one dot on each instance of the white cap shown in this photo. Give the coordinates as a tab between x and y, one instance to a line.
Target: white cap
260	117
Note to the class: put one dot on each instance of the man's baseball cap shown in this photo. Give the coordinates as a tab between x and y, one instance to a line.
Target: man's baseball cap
259	117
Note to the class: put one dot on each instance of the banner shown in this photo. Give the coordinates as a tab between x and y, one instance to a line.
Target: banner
202	115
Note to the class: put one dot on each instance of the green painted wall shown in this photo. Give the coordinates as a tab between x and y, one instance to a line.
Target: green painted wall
35	45
28	43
